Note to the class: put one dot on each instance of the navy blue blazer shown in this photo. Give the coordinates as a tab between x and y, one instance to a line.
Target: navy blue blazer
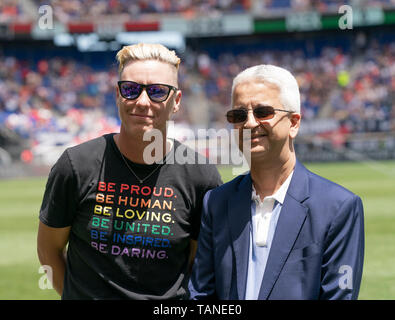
317	250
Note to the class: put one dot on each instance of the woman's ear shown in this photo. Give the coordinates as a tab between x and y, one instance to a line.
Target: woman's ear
177	101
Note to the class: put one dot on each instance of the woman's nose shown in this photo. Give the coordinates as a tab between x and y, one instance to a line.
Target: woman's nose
143	100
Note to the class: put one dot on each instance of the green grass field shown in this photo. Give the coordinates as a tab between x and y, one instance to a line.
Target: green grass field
374	182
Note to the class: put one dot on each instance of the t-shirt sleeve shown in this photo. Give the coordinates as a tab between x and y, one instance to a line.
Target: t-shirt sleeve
60	196
213	180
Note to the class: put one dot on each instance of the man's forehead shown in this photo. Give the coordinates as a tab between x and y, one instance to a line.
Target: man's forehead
256	85
255	92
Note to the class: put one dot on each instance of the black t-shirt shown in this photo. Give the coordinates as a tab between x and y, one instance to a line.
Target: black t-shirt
128	240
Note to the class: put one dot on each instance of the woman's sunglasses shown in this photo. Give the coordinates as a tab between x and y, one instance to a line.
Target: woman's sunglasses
260	113
156	92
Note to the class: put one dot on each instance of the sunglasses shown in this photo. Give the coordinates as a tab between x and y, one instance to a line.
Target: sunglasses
260	113
156	92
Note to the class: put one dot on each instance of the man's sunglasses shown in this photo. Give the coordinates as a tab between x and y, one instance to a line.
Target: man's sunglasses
260	113
156	92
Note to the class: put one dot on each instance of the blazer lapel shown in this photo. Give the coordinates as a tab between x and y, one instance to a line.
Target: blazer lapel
239	214
291	219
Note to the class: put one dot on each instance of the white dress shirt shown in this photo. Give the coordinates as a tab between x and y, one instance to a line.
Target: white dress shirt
264	217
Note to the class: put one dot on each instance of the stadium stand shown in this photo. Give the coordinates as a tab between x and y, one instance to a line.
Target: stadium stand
365	104
86	10
66	96
51	100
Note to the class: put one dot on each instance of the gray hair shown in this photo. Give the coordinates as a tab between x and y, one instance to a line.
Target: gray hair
282	78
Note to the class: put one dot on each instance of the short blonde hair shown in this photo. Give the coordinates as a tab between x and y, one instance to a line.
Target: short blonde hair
146	51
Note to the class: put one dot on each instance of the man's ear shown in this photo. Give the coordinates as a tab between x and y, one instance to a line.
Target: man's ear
295	124
177	101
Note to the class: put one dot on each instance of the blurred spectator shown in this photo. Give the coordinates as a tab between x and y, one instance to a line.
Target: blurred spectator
10	10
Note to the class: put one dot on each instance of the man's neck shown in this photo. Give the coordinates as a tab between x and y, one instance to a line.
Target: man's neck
268	176
133	148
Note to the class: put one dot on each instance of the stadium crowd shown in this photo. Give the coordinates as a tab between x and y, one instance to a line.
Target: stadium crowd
87	10
11	10
365	103
71	10
70	101
55	96
62	95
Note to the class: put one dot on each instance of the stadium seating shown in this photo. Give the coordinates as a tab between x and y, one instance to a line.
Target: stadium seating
54	95
86	10
69	98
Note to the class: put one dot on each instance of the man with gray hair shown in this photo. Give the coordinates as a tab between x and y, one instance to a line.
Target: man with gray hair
280	231
130	218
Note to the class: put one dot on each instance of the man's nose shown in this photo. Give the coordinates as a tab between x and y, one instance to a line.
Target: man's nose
251	122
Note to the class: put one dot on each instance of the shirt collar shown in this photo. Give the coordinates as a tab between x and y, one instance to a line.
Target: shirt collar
279	195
